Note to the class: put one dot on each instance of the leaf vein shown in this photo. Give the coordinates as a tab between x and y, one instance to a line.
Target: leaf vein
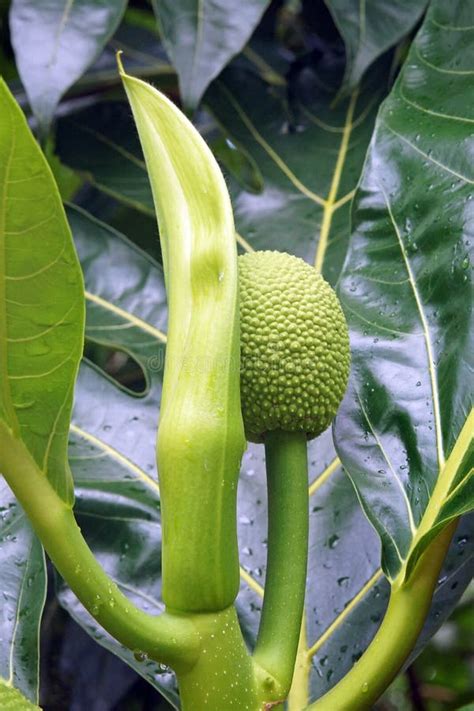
269	150
342	616
428	157
426	333
411	522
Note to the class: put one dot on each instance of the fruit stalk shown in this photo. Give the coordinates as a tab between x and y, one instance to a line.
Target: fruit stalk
287	477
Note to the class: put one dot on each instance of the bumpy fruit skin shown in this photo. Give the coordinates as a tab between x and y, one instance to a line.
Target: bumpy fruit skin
295	354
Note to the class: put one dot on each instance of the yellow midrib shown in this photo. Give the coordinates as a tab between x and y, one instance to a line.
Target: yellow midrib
330	202
135	320
343	615
256	135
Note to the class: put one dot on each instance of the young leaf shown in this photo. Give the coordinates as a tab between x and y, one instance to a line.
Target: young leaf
23	586
369	29
41	303
200	266
54	43
202	37
405	429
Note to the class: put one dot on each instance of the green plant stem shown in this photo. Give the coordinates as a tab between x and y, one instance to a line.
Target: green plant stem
287	477
168	638
224	677
407	610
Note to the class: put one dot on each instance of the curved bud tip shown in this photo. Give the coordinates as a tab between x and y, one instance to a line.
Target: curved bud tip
118	57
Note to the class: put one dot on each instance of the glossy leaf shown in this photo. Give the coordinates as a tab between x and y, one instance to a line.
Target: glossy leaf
308	154
23	586
406	427
137	37
370	29
112	445
41	302
202	37
101	143
54	44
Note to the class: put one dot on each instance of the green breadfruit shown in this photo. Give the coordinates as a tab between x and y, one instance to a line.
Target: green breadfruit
295	354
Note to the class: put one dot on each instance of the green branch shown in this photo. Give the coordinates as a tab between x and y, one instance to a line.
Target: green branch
406	613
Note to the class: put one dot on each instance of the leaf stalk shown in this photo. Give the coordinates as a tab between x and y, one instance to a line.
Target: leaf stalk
408	607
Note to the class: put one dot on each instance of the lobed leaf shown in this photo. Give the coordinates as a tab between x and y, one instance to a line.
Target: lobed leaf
54	43
369	29
202	37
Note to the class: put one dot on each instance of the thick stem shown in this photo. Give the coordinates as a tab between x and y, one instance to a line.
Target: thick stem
287	475
170	639
198	461
224	677
407	610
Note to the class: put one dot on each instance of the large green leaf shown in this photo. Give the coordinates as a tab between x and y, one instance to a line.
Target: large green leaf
41	317
370	28
309	155
201	37
54	44
405	430
41	302
23	586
